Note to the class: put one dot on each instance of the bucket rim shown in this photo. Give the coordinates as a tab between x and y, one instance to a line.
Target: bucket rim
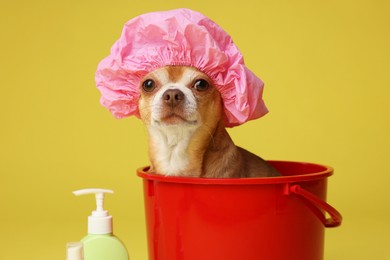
322	173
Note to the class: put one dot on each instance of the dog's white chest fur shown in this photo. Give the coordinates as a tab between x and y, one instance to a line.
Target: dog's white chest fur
171	147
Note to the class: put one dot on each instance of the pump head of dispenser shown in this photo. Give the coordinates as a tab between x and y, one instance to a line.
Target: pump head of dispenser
99	222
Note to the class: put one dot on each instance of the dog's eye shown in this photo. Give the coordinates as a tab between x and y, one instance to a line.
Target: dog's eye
201	85
148	85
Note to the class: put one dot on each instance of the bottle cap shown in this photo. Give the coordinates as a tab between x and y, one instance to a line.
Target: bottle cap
74	251
99	222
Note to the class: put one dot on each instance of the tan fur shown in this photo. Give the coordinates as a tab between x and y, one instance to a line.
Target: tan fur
210	151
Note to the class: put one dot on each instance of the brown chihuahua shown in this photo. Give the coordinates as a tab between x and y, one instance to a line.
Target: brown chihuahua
183	114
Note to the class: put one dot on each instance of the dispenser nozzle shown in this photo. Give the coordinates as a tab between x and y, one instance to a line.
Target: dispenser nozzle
99	195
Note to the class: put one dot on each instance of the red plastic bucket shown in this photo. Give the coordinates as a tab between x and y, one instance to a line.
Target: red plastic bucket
274	218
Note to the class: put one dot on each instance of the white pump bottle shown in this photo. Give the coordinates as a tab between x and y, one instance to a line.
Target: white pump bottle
100	243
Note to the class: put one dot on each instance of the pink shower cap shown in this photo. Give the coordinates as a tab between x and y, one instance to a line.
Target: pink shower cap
178	37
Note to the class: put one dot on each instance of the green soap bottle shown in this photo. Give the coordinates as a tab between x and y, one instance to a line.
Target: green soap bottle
100	243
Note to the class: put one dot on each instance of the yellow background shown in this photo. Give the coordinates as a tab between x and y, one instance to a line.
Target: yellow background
326	69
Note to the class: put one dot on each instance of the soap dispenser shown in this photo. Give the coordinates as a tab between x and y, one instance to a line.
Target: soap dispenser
100	243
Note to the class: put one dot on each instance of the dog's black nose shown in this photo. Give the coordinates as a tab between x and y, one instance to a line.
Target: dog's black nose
173	97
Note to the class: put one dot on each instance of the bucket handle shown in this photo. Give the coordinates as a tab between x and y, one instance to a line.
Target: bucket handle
316	205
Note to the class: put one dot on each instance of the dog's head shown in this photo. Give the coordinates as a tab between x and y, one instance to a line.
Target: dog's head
179	96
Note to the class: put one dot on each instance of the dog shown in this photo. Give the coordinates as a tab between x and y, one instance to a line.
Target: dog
183	114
